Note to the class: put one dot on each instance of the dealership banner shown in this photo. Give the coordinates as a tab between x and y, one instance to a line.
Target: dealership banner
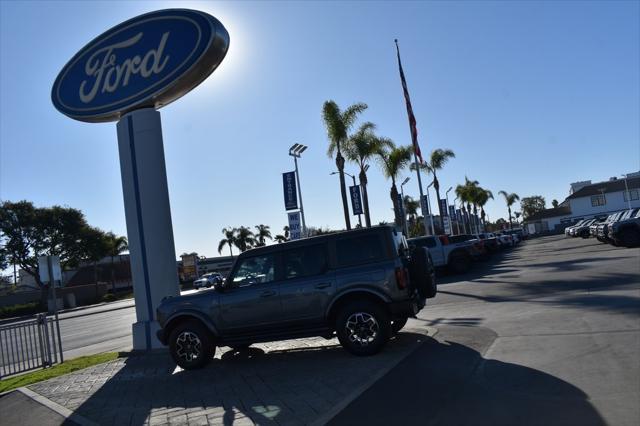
290	194
294	225
452	211
443	206
356	201
424	206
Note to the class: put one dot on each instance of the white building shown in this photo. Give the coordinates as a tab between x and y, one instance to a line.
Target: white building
588	200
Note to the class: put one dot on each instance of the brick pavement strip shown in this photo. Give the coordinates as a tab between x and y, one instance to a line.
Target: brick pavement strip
291	382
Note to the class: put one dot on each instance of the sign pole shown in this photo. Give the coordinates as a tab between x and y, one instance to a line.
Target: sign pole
52	283
148	218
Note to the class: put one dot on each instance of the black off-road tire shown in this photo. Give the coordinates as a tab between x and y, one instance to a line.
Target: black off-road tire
422	273
397	325
459	263
357	333
191	345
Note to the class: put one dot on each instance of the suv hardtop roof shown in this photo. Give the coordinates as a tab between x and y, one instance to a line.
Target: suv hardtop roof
316	239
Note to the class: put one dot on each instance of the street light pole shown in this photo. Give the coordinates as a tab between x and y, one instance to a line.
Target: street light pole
404	213
433	230
295	151
626	188
353	178
454	209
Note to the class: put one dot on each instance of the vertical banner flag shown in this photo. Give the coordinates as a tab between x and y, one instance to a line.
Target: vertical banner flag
424	205
400	207
452	212
459	215
290	194
443	206
294	225
356	201
412	118
446	224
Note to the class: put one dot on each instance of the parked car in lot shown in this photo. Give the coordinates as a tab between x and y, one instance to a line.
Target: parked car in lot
456	256
626	232
208	280
360	285
505	239
602	232
490	242
567	230
583	230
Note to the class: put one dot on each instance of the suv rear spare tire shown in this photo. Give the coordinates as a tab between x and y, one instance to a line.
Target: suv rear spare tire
363	327
191	345
422	273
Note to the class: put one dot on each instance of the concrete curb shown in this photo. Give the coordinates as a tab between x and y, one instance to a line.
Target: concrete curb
326	417
63	411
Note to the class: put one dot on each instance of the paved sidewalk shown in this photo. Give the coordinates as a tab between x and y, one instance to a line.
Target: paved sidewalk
304	381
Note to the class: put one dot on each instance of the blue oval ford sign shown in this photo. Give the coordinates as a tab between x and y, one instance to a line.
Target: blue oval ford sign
147	61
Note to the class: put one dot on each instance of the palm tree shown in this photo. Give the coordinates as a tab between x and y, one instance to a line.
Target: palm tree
483	196
338	123
510	199
467	193
517	216
262	234
115	246
244	239
280	239
437	160
411	208
229	239
359	149
392	162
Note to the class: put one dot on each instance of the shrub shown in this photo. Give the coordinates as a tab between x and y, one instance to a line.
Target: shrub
20	309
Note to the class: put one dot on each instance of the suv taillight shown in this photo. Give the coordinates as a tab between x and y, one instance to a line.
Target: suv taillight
401	278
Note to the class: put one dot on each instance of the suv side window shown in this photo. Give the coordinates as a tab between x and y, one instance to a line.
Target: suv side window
305	261
254	270
424	242
359	249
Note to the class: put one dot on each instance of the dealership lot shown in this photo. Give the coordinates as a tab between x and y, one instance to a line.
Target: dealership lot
547	333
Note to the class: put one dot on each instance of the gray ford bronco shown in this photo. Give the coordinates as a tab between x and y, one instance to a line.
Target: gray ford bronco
360	285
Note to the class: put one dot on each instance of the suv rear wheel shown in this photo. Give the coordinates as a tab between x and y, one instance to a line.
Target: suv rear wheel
191	345
363	327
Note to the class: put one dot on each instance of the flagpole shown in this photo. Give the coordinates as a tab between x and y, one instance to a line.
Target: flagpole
423	202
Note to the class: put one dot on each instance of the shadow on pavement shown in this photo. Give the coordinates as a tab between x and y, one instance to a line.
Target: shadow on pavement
290	386
451	383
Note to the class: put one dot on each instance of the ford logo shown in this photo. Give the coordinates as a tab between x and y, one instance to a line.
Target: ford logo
147	61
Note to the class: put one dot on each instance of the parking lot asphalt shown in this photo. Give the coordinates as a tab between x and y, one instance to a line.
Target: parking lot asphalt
548	333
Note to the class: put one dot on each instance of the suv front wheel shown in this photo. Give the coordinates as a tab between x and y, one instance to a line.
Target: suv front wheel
191	345
363	328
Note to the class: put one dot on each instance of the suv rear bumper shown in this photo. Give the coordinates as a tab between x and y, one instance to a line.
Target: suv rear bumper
406	308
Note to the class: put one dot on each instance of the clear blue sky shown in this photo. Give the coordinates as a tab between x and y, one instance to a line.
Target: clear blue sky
530	95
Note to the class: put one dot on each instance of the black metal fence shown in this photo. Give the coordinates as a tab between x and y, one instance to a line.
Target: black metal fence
29	345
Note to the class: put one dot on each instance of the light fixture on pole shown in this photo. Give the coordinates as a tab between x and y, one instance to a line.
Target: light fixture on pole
354	184
295	151
404	215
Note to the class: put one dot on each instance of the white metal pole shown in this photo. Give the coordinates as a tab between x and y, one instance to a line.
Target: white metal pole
626	188
304	225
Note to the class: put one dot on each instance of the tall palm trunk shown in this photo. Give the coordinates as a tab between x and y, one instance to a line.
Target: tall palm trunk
436	186
230	250
463	216
365	197
509	208
475	218
343	187
396	207
482	215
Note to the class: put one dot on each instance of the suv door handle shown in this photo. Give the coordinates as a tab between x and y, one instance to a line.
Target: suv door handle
267	293
323	285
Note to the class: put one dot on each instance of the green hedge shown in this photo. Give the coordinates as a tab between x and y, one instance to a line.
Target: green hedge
19	310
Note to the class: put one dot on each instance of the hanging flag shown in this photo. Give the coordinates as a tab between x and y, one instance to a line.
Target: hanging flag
412	118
